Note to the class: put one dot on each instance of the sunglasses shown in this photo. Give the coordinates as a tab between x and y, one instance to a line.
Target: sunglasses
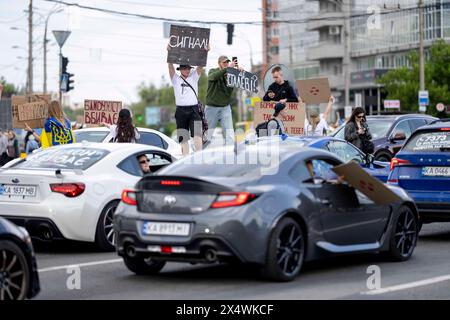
359	117
144	161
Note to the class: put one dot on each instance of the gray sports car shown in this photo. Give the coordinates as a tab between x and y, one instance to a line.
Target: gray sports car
275	214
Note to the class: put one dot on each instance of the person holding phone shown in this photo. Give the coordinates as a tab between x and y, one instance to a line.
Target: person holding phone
280	90
218	99
357	131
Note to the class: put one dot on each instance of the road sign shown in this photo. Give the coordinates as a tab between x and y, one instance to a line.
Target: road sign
440	107
424	98
422	108
358	100
61	37
347	112
392	104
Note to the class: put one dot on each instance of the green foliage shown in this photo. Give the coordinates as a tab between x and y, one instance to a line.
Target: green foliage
8	88
403	83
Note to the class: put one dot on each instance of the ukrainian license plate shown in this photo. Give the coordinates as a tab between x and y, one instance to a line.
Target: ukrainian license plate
166	228
17	190
436	171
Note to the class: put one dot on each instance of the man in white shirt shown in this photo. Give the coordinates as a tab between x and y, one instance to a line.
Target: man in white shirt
316	124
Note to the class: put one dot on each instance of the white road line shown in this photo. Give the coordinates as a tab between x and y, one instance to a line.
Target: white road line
86	264
409	285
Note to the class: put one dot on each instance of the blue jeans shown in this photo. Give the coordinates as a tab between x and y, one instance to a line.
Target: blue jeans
222	115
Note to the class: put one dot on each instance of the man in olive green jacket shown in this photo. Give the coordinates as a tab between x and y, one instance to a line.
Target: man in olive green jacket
218	100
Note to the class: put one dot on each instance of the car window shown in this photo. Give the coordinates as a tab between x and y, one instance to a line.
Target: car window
379	128
299	172
402	126
429	141
416	123
63	158
321	169
345	151
158	159
340	134
130	166
152	139
90	136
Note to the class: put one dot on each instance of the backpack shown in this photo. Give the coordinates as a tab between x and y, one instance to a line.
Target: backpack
261	129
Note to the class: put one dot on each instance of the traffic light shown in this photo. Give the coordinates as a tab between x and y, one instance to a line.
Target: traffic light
70	82
66	77
230	30
64	63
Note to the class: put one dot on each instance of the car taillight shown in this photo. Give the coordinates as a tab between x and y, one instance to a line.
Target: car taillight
232	199
129	197
395	162
70	190
445	129
171	183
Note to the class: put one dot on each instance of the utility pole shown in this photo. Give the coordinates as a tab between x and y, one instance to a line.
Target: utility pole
30	48
346	7
421	49
45	48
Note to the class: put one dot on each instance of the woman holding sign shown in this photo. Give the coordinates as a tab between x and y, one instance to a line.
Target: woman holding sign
57	128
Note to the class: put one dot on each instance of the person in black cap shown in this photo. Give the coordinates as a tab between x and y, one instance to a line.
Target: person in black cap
124	131
188	119
275	126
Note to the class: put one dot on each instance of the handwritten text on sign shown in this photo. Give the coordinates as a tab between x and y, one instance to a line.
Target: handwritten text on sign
99	111
33	111
293	122
188	45
242	80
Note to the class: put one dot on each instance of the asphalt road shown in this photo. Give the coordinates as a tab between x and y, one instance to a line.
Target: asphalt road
104	276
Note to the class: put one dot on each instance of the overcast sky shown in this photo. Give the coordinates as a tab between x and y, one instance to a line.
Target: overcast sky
111	55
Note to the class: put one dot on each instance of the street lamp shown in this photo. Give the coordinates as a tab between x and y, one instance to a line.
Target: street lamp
45	48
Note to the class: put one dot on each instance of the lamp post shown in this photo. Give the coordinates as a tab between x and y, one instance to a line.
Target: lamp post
45	48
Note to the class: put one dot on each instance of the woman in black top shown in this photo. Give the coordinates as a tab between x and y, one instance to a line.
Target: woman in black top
357	131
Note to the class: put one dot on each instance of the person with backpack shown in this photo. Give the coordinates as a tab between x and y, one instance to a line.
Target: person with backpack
274	126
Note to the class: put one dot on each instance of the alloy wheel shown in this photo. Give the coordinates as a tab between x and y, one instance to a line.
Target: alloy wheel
13	283
405	232
290	249
108	224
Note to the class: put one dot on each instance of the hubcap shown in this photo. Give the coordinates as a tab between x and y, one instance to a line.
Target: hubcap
12	276
405	233
108	224
289	249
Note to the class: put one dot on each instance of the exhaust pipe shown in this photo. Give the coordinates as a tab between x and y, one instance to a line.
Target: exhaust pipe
45	232
131	251
211	255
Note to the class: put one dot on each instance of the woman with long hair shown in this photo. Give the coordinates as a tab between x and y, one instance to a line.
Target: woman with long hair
57	128
357	131
124	131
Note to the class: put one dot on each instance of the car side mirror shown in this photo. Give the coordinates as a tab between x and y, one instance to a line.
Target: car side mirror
398	136
369	159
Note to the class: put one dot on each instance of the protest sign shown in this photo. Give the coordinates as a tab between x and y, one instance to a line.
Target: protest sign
314	91
242	80
293	122
101	111
30	109
188	45
373	188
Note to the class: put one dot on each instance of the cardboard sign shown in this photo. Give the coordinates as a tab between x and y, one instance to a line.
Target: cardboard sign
31	109
99	111
188	45
293	122
242	80
314	91
373	188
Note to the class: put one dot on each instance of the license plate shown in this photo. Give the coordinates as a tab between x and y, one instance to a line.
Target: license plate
436	171
166	228
17	190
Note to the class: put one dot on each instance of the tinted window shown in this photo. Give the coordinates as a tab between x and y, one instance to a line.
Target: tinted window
151	139
63	158
345	151
299	172
91	136
429	142
379	128
416	123
402	126
130	166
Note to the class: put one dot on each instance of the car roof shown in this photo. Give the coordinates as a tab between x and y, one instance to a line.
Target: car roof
394	117
436	125
112	147
105	129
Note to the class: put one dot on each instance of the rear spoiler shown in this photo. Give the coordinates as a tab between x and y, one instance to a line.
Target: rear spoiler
179	183
58	172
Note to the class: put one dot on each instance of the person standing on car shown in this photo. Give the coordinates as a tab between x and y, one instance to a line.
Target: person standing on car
123	131
280	90
187	115
57	128
357	131
218	100
275	126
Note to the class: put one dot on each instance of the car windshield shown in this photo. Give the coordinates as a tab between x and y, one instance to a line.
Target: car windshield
91	136
430	141
378	128
63	158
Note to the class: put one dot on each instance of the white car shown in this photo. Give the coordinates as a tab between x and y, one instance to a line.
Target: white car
148	136
71	191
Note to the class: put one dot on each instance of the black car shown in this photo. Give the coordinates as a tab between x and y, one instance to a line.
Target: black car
18	270
273	214
389	132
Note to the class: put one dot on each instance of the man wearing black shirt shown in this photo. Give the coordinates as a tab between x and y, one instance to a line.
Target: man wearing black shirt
280	90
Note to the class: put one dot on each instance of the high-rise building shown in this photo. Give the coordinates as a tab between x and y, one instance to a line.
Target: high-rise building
270	33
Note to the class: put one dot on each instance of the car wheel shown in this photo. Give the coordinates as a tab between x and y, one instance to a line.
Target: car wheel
384	157
404	235
143	266
104	236
285	252
14	272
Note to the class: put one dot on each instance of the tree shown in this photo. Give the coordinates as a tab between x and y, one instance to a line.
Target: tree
8	88
403	83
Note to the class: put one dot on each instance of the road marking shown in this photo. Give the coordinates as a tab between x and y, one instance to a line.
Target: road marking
86	264
409	285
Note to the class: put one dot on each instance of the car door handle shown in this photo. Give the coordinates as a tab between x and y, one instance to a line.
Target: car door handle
325	202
